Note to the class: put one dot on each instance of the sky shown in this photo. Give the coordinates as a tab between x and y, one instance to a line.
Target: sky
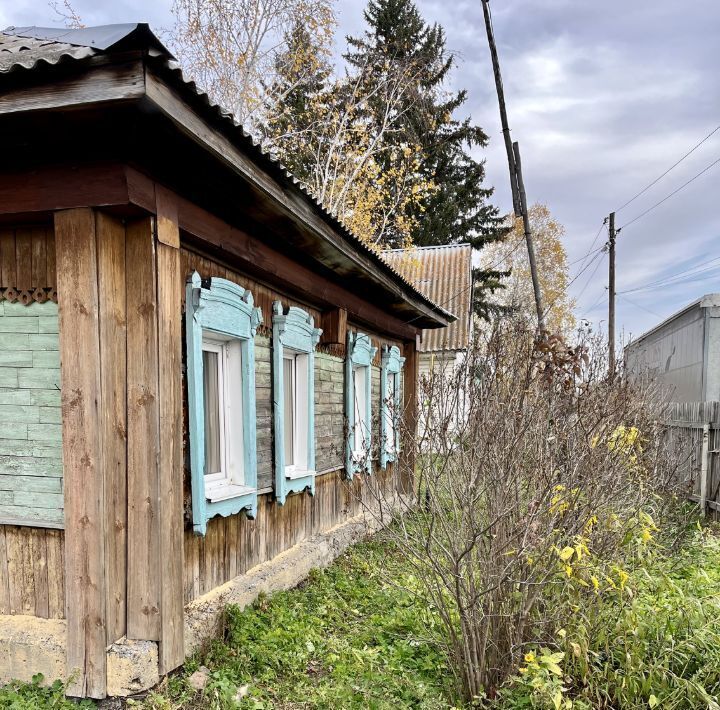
603	98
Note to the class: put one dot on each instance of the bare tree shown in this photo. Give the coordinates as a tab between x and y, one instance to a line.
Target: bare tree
534	473
231	47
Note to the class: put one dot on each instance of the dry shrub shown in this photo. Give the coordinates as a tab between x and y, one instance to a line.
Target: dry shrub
534	471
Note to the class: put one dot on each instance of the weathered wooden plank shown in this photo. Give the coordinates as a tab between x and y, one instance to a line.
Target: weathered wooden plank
8	260
170	540
167	217
83	465
410	380
4	575
111	291
14	564
56	578
23	255
143	564
50	277
39	257
57	188
114	82
334	327
40	572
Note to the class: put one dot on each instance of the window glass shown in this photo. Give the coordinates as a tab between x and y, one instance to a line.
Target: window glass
212	406
289	409
359	375
391	414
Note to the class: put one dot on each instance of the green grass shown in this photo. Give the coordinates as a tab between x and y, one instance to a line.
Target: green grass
353	636
347	638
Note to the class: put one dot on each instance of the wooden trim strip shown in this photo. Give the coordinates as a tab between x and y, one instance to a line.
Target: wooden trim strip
83	462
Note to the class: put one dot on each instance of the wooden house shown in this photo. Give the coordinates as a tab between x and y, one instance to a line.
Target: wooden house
200	368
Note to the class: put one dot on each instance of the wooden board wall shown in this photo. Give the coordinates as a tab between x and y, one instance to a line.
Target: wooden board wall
32	574
27	257
234	544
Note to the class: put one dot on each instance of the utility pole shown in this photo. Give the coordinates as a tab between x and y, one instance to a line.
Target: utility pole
517	208
513	155
528	239
611	295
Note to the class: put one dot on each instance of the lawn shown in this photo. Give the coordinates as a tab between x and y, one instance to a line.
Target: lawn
355	636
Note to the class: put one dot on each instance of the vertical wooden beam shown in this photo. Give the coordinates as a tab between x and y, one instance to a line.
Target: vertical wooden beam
143	564
334	327
410	414
83	464
111	291
170	503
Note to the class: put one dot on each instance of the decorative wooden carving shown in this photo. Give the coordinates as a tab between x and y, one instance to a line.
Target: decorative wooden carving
26	296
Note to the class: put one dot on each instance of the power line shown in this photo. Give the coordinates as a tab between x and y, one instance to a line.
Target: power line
672	167
667	197
590	250
638	305
671	278
587	283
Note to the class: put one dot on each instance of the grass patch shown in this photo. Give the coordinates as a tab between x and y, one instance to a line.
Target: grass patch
347	638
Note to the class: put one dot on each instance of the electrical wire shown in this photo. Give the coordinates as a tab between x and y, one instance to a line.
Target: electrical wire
667	197
671	278
672	167
587	283
638	305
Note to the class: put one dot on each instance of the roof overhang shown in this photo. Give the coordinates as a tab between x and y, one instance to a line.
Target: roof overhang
171	114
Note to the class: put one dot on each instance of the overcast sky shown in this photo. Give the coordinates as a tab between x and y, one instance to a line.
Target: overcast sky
603	98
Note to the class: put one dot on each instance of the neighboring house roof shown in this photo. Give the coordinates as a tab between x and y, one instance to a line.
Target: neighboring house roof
444	275
34	48
709	300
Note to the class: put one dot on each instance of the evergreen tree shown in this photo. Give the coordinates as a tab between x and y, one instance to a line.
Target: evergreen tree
457	208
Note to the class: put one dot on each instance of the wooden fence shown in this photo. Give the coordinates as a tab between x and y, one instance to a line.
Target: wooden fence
694	432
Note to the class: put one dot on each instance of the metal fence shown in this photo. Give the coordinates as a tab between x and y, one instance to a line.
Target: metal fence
694	431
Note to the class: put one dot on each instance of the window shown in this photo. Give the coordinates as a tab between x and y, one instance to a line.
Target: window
296	413
221	323
294	341
390	403
358	364
223	469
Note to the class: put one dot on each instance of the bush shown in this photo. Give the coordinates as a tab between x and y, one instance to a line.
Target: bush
538	476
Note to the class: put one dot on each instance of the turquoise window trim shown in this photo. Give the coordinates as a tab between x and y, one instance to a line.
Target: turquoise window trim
360	353
221	307
390	364
296	331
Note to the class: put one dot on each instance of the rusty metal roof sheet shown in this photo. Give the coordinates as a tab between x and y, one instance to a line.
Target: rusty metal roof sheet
37	46
444	275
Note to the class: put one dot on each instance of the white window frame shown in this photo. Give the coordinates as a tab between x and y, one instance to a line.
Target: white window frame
300	392
294	334
229	482
361	428
359	353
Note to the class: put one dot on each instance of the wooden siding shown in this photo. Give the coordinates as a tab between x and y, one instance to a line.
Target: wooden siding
27	258
32	573
235	544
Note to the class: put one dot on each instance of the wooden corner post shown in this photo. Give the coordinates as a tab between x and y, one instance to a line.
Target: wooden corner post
410	384
83	463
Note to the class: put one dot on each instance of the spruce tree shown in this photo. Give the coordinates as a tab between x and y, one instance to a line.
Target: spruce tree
296	101
457	209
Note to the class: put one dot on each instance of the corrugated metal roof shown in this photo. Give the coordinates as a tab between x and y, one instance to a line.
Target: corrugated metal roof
444	275
37	46
22	52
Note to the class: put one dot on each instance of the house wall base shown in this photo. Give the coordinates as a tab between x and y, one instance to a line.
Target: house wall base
203	616
31	645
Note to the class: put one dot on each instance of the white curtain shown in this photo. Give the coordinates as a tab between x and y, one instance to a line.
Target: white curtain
211	401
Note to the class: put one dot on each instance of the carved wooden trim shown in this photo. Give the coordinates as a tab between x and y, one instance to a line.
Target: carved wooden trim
28	296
